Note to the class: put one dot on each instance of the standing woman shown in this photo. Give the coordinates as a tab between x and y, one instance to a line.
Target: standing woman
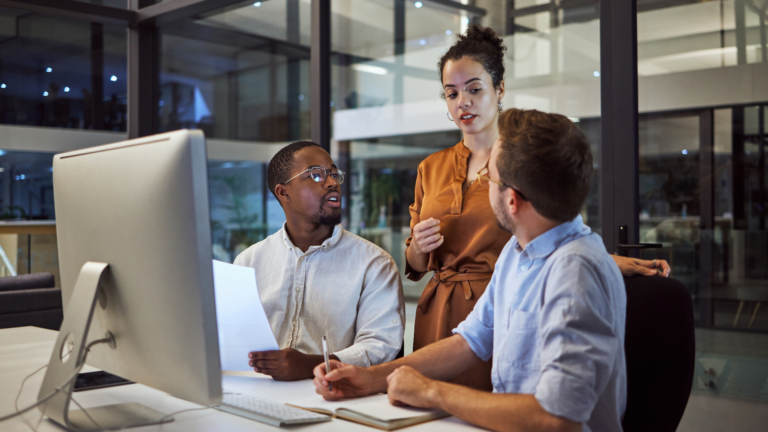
453	229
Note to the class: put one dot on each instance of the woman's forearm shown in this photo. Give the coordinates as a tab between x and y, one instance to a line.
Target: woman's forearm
417	261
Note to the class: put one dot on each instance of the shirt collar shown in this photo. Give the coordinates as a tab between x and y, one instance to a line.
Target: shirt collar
547	243
327	244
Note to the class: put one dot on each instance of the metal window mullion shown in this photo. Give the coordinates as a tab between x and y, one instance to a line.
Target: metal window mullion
320	67
143	76
619	110
706	215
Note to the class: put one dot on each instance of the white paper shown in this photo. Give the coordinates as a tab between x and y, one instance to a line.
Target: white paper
243	325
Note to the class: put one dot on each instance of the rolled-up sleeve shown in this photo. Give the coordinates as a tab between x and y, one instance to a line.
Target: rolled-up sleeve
579	345
380	317
477	329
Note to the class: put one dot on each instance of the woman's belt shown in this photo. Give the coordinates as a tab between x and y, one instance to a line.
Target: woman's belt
464	278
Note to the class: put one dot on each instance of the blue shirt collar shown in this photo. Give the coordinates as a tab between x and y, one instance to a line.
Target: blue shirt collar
545	244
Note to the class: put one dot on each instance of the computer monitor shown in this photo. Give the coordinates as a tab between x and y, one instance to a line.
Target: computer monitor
134	218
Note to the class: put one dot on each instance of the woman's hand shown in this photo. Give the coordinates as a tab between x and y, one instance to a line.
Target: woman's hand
633	266
426	236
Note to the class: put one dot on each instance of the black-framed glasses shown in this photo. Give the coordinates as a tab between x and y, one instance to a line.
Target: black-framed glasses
482	177
319	174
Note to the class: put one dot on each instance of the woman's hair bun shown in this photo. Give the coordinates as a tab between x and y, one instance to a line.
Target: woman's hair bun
481	44
484	35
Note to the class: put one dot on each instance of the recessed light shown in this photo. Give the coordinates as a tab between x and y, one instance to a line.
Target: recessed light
45	93
257	4
114	78
3	85
448	32
418	5
66	89
49	70
423	42
685	151
596	73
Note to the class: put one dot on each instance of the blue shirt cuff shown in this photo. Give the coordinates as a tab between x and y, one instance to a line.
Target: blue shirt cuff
566	396
477	336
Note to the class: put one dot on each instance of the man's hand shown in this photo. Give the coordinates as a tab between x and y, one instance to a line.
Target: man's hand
283	365
633	266
406	386
348	381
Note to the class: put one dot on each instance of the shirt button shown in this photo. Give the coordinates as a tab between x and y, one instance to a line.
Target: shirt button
298	289
294	323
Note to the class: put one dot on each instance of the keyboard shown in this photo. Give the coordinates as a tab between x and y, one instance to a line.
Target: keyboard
267	412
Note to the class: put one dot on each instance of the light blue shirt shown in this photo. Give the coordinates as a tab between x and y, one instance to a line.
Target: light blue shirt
553	318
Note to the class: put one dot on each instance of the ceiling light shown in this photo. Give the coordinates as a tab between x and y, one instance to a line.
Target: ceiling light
418	5
596	73
369	69
49	70
114	78
448	32
423	42
685	151
465	20
66	89
257	4
3	85
45	93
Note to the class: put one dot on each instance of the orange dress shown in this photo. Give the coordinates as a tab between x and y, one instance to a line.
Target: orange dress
463	264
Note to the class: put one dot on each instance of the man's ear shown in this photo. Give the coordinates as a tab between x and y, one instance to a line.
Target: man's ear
513	201
281	191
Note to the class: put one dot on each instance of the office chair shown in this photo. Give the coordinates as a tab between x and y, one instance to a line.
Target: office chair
660	348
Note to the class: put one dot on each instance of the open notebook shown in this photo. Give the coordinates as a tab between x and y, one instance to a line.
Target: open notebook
374	411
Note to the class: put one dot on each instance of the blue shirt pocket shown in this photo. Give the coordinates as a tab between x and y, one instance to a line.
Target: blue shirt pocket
517	357
523	339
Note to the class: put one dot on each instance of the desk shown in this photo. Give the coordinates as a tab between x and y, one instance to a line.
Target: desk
25	349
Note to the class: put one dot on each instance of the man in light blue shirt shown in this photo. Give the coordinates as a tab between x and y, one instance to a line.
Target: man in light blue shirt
552	316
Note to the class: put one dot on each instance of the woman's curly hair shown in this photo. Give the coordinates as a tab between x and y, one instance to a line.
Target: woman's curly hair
482	45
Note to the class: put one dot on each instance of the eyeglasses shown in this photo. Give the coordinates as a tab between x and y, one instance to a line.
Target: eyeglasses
482	177
319	174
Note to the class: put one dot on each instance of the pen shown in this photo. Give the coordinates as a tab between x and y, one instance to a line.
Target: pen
327	362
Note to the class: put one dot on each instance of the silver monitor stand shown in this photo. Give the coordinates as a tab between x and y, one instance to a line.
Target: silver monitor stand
68	358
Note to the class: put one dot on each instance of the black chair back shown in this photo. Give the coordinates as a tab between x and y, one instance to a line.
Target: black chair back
660	347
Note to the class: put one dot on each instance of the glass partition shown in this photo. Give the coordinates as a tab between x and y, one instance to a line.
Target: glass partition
702	74
61	72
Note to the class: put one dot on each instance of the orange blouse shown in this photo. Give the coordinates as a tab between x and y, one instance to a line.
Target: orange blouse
463	264
473	239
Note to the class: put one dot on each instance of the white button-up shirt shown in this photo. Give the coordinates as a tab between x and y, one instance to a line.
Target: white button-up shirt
347	289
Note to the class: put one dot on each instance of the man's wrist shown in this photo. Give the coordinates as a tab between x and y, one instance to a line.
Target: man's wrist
379	376
435	393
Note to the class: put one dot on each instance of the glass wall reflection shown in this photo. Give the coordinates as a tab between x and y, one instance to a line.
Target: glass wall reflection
61	73
702	78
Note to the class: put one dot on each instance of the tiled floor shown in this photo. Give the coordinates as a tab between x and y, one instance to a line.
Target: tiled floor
706	413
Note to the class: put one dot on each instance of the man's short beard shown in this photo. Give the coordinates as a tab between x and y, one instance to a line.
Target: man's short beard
328	219
503	220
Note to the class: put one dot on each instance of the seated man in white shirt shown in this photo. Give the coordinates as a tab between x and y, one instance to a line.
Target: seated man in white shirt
316	279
